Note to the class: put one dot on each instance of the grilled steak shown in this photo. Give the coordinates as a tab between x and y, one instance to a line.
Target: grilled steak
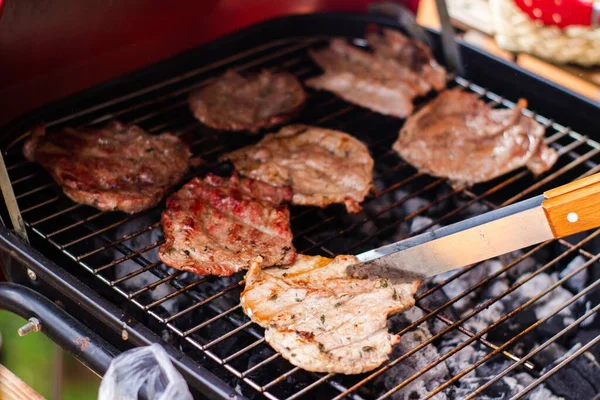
118	167
322	166
358	77
412	55
385	81
462	138
321	319
237	103
216	226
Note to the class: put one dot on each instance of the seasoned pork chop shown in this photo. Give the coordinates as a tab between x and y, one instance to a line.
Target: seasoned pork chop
322	166
216	226
321	319
237	103
118	167
385	81
460	137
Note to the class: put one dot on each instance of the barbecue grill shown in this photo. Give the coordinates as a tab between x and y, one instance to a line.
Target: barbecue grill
94	282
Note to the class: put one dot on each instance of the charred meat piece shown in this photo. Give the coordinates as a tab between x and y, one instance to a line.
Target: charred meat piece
237	103
118	167
322	166
460	137
321	319
216	225
385	81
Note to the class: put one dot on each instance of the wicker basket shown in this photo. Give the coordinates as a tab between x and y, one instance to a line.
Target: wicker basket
515	31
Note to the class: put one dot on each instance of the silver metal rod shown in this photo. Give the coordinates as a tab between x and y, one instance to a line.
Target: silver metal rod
404	16
449	45
11	201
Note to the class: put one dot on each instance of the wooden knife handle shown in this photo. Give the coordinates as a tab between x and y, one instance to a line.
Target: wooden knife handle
574	207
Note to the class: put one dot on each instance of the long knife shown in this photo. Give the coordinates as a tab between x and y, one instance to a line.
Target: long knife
560	212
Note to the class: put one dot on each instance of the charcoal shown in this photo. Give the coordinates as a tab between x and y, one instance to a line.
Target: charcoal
490	369
467	385
377	206
442	277
464	282
513	326
494	266
579	280
518	382
586	335
525	266
534	286
462	360
415	391
428	381
473	209
485	317
442	207
420	222
259	355
413	204
589	321
433	301
506	387
578	379
379	185
496	288
455	288
554	300
499	284
552	326
402	233
403	370
400	194
542	393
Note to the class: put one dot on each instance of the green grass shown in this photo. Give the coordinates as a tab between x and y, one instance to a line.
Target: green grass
31	358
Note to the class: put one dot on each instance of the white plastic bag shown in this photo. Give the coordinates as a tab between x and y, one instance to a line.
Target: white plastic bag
144	369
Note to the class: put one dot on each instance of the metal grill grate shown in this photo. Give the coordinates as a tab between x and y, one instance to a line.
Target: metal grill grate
204	312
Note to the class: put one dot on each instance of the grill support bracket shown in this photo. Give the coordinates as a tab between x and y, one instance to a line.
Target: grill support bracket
11	201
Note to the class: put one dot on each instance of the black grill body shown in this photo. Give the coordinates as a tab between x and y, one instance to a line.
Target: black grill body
76	252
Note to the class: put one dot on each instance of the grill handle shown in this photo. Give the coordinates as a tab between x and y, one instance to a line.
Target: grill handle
64	330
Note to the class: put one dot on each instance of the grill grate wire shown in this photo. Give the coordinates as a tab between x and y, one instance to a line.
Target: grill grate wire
101	242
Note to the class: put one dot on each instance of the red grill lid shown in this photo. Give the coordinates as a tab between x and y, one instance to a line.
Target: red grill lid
561	13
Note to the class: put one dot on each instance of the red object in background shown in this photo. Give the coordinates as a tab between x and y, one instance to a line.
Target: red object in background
50	49
561	13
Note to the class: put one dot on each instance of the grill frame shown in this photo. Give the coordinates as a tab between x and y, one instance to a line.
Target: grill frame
351	25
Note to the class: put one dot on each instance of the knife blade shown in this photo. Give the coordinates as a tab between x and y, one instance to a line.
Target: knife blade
475	239
560	212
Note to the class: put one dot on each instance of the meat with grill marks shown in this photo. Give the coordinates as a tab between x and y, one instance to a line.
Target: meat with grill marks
458	136
386	80
217	225
321	319
248	103
414	58
321	165
117	167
